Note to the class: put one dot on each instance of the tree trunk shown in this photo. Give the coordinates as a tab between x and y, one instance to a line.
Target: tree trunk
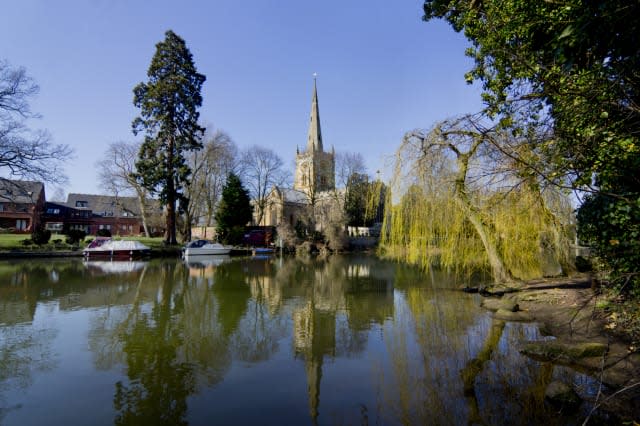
498	269
171	197
188	219
260	208
142	202
210	212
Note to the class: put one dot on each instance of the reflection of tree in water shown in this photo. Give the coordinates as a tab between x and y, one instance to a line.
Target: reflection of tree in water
451	366
171	336
257	326
25	347
23	350
522	385
159	383
232	294
205	344
432	334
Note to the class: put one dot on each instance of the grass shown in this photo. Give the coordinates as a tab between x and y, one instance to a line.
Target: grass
155	243
14	242
9	241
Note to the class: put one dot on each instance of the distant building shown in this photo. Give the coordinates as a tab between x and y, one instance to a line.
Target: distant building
314	179
91	213
315	169
21	205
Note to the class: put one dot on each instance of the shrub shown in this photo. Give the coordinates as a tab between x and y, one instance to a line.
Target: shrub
40	235
583	264
74	236
26	242
103	233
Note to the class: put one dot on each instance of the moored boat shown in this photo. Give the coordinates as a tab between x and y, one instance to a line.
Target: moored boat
115	249
204	247
198	261
262	251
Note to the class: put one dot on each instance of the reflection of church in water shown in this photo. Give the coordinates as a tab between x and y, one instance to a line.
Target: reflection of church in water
333	311
336	318
314	178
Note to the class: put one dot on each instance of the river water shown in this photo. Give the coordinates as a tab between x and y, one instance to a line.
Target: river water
342	341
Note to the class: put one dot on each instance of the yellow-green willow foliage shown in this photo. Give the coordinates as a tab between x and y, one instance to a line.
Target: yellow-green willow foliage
448	206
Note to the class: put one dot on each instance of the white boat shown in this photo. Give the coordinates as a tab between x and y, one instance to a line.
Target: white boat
198	261
117	267
115	249
204	247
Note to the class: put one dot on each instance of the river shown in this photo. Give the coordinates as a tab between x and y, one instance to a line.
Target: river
341	341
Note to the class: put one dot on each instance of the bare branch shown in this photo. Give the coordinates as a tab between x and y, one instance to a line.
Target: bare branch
25	153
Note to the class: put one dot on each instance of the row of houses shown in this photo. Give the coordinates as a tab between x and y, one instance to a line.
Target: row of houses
23	207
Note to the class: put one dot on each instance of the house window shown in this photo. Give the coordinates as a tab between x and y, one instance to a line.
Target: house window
54	226
84	228
1	207
82	203
105	227
21	224
53	211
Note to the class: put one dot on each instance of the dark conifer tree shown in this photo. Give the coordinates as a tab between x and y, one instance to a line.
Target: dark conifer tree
168	103
234	211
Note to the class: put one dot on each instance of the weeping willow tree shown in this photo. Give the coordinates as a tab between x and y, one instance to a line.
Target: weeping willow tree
462	197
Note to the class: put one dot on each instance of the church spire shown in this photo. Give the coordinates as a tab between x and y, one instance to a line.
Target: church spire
314	141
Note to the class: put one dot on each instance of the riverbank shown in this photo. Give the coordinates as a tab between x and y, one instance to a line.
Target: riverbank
156	252
586	338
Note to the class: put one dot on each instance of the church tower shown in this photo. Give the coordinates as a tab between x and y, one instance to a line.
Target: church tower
315	169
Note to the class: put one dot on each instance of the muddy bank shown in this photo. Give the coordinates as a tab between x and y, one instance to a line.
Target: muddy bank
567	310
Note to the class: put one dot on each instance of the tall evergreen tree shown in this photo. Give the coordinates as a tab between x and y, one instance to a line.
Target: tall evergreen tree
234	211
168	104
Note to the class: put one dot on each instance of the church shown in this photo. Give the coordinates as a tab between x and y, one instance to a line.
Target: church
313	197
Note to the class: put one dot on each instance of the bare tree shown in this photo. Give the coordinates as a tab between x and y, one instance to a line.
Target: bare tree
116	171
25	153
261	169
59	195
348	163
210	168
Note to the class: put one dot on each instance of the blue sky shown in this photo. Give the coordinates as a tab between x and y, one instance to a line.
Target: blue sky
381	70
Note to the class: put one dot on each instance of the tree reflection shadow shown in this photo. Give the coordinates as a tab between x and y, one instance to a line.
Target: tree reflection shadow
159	382
25	347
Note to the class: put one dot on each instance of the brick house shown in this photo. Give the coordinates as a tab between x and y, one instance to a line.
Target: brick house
91	213
120	215
60	218
21	205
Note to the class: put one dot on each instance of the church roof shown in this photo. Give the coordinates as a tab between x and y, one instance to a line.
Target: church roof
293	196
314	141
